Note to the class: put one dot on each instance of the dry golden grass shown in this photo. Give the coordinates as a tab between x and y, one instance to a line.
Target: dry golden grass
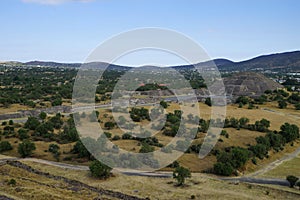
13	108
290	167
199	185
240	138
34	187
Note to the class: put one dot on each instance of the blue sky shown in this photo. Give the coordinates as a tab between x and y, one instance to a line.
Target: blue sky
67	31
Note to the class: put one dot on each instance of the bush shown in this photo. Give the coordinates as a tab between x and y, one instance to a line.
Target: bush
208	101
23	134
292	180
259	150
223	169
100	170
5	146
12	182
32	123
146	148
107	134
175	164
81	150
109	125
126	136
254	161
289	131
26	148
237	157
242	99
116	137
180	174
282	104
164	104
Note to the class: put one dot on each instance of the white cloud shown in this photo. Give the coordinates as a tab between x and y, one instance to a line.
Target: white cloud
53	2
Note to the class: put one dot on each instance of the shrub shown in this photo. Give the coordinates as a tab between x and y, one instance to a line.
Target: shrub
23	134
180	174
109	125
32	123
164	104
223	169
289	131
208	101
292	180
126	136
146	148
12	182
259	150
282	104
26	148
107	134
5	146
100	170
116	137
174	164
43	116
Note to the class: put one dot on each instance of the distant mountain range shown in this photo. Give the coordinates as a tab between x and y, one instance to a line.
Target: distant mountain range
281	61
287	61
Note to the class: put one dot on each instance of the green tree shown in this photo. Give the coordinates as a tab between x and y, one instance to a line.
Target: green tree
12	182
242	99
100	170
5	146
224	169
146	148
282	104
32	123
208	101
56	102
26	148
180	174
23	134
43	115
54	149
109	125
292	180
259	150
11	122
289	131
163	104
80	149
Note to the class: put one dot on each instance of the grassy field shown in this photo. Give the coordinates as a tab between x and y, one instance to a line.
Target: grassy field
35	187
199	185
290	167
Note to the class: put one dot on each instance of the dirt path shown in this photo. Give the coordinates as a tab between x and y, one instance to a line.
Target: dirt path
274	164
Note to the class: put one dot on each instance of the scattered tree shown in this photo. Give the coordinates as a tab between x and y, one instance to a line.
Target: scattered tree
180	174
26	148
100	170
292	180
